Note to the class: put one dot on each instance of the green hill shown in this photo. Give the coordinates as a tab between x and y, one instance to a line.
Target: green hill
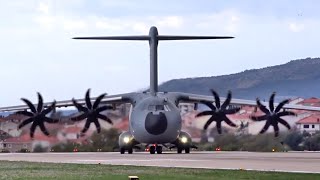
297	78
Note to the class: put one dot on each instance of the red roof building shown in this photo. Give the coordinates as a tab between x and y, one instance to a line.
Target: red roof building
310	124
311	102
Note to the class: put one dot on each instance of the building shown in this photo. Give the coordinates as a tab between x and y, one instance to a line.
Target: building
16	144
310	124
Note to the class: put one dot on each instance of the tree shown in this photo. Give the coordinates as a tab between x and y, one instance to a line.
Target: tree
293	140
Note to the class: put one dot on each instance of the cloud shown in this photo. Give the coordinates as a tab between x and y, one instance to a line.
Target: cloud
169	21
45	21
74	24
43	8
108	25
296	27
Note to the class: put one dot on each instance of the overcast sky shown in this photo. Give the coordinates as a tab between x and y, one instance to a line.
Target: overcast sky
38	54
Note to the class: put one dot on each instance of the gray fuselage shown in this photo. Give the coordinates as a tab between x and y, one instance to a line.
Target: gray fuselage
155	119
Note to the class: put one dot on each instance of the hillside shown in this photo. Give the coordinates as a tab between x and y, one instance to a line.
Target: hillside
296	78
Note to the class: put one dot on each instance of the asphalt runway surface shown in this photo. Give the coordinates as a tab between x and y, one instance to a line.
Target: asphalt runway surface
304	162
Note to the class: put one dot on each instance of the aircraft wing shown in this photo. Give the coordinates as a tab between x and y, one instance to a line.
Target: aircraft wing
112	99
196	98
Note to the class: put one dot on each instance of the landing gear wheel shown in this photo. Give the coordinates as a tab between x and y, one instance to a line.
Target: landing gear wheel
122	150
130	151
179	150
152	149
187	150
159	149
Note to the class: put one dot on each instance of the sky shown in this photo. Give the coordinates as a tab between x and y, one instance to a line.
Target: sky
38	54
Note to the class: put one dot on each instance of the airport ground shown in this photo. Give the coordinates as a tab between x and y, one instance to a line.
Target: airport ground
272	162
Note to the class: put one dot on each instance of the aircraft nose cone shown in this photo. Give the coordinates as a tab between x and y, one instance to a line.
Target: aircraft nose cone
156	123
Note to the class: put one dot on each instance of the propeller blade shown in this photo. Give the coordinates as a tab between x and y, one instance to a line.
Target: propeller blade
259	118
281	104
219	129
43	129
25	113
49	109
286	113
227	101
103	108
209	104
262	107
80	117
25	122
232	111
79	106
30	105
97	125
229	122
88	101
276	130
105	118
98	100
283	122
32	130
208	123
205	113
271	101
216	97
40	103
86	127
265	127
50	120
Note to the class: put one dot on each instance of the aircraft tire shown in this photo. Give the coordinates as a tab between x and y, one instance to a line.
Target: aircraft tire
179	150
130	151
152	150
122	150
187	150
159	149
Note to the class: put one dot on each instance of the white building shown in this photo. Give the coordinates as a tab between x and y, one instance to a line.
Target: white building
310	124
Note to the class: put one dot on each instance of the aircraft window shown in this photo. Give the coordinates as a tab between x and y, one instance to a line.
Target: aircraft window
156	108
159	107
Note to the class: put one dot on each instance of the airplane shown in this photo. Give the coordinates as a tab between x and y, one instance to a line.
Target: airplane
154	117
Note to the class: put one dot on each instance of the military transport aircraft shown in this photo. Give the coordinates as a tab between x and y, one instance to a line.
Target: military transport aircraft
154	117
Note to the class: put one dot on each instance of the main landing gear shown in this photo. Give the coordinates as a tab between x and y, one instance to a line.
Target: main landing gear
155	148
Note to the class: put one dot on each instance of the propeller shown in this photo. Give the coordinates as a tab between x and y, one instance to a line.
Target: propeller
37	115
218	112
273	115
91	112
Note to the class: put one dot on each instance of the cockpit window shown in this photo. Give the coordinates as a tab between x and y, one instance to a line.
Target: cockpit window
157	108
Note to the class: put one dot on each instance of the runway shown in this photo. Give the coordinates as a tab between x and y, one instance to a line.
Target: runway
304	162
